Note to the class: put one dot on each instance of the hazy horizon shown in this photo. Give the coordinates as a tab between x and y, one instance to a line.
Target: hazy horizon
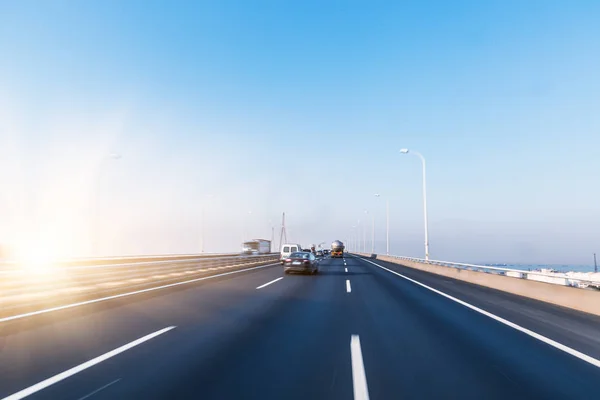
251	109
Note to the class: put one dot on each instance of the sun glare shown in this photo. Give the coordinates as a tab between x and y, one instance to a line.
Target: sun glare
37	258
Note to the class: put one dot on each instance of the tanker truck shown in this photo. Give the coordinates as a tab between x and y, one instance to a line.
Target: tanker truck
337	249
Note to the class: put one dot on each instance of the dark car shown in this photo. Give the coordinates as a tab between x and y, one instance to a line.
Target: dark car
325	252
319	253
301	262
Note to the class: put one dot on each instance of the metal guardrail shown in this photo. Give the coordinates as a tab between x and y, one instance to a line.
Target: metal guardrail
16	283
559	278
80	261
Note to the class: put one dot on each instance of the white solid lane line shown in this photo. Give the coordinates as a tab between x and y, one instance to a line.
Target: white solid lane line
99	389
345	269
359	378
83	303
268	283
584	357
348	287
81	367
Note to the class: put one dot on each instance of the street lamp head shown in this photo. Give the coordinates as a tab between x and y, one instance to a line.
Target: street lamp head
404	151
377	195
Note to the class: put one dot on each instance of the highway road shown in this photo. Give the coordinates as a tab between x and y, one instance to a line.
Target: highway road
360	329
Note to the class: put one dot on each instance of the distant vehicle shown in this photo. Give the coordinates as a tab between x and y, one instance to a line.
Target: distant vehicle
326	252
256	246
301	262
319	253
337	249
287	249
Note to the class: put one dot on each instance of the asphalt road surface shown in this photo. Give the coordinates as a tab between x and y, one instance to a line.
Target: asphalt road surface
356	330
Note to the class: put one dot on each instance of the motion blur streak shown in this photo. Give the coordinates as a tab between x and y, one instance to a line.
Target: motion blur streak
83	303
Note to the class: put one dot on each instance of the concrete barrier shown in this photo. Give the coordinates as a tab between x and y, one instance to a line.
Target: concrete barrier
549	279
514	274
578	299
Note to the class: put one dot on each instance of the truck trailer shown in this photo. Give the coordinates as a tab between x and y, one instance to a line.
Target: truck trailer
256	246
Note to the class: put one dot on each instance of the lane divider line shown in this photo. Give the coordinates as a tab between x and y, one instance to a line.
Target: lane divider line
268	283
116	296
99	389
348	287
345	269
81	367
584	357
359	378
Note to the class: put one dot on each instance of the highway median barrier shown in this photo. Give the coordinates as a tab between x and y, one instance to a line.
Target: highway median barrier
26	290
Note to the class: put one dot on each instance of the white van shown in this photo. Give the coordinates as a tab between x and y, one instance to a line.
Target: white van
287	249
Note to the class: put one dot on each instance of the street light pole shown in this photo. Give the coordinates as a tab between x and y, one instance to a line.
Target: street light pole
387	224
365	235
358	236
387	227
272	234
405	151
373	234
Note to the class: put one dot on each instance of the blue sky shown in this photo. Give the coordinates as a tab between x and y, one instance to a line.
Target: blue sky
271	106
